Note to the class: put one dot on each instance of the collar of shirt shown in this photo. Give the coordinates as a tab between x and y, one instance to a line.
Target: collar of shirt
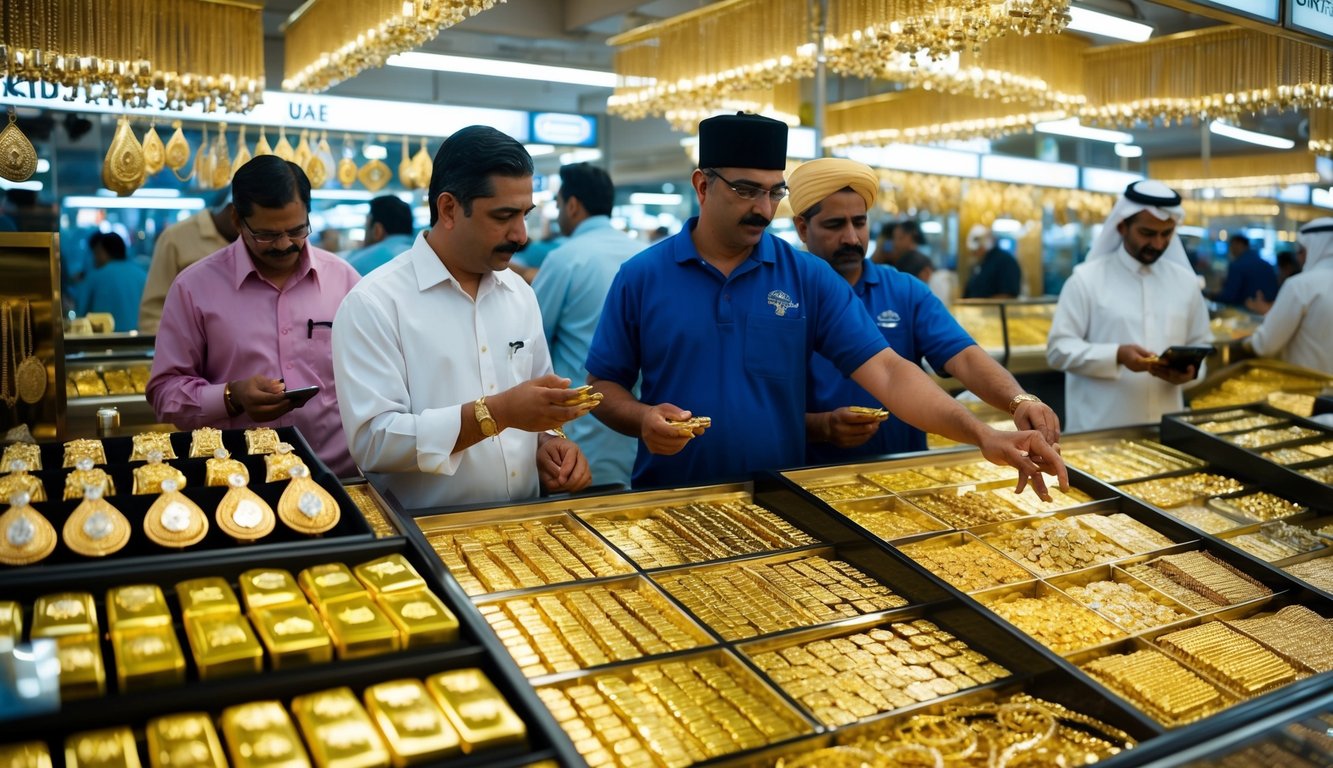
870	275
683	250
1132	264
243	264
207	229
430	269
591	223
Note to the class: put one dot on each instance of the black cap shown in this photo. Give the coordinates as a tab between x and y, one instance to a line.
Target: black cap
743	140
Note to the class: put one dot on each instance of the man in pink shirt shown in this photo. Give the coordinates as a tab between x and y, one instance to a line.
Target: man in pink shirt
255	319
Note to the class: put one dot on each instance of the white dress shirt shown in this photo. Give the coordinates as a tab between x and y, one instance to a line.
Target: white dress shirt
1299	327
1116	300
410	350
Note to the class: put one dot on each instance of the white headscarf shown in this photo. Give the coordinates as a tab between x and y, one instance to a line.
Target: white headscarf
1160	201
1316	238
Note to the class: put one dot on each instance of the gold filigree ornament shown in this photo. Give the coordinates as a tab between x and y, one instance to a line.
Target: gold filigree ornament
203	162
346	165
96	529
243	155
153	477
242	514
18	158
221	159
283	148
262	147
221	467
301	155
25	536
305	507
174	520
29	453
205	442
154	151
85	475
123	169
425	166
30	373
407	170
178	152
318	165
279	462
374	175
18	480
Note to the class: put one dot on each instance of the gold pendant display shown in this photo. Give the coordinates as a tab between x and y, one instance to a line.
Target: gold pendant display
221	467
154	476
178	152
96	529
203	163
25	536
374	175
28	453
346	165
84	448
262	146
283	148
302	154
173	520
19	481
123	169
317	166
425	166
154	152
305	507
242	514
205	442
407	170
18	158
221	159
242	153
30	374
261	440
85	475
278	464
145	444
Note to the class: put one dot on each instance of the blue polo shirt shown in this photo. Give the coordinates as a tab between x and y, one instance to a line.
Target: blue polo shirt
916	324
1247	276
732	348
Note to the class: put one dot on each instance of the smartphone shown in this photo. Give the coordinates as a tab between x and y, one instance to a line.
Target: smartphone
300	397
1180	358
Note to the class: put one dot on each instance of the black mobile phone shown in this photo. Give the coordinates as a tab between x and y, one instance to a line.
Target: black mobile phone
300	397
1180	358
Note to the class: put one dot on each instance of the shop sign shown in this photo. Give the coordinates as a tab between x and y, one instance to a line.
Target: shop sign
564	129
1311	16
1262	10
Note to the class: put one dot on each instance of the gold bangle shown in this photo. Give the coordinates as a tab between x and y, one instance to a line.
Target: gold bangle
228	403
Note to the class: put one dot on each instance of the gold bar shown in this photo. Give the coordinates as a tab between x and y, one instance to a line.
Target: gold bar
261	735
186	740
147	658
413	725
293	635
136	607
26	754
327	583
421	618
82	673
207	596
338	730
480	713
68	614
223	646
269	588
389	574
107	748
360	628
11	624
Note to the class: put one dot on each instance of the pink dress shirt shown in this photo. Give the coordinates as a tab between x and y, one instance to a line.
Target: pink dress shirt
222	321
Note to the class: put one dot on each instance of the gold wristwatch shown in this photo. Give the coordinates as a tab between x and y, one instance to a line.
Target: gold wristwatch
484	418
1020	399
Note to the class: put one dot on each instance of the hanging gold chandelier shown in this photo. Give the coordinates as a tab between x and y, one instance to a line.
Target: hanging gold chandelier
919	116
781	102
1321	131
1220	72
1270	169
698	60
205	52
335	40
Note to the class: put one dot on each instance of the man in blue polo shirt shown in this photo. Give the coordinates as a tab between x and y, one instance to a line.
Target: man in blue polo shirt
832	197
720	321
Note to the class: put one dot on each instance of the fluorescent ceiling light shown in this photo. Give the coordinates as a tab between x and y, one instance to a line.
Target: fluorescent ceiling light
932	228
357	195
1253	137
1188	231
516	70
655	198
1098	23
375	152
1007	226
1071	127
1128	150
35	186
143	192
143	203
537	150
581	156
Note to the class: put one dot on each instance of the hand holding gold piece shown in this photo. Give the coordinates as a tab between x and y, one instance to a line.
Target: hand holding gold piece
583	397
880	414
691	424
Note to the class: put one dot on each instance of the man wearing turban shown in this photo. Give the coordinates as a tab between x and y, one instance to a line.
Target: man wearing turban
1297	327
1133	297
719	321
831	198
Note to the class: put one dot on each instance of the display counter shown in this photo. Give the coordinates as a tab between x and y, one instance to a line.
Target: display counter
107	370
1013	331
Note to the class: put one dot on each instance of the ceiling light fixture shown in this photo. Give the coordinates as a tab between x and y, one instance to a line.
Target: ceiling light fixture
1098	23
1071	127
1253	137
515	70
1128	150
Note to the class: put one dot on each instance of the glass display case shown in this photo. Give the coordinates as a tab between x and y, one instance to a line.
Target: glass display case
1013	331
107	370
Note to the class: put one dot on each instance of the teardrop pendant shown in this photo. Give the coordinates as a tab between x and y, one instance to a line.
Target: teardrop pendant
96	529
154	152
242	515
25	536
174	520
123	169
305	507
18	158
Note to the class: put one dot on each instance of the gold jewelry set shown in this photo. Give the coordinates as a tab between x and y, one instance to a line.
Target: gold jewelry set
18	355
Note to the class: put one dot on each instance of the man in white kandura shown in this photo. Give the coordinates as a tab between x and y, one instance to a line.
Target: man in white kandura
1298	326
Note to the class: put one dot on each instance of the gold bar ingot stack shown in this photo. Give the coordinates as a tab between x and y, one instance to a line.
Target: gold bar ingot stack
480	713
329	583
412	723
11	621
391	573
208	596
147	658
293	635
338	730
261	735
68	614
109	748
269	588
71	618
420	617
26	754
136	607
187	739
223	645
360	628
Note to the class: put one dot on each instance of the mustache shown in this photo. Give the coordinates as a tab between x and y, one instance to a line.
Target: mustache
275	253
755	220
510	248
850	250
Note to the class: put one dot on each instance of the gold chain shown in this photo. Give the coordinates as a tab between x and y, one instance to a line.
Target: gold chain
10	397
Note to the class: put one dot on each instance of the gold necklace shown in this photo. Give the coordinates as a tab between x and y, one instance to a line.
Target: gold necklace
25	536
30	375
6	345
242	514
305	507
18	158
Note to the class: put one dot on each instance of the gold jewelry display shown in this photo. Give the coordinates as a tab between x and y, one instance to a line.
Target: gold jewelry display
242	152
346	165
283	148
30	373
221	159
374	175
203	162
25	536
124	169
174	520
154	151
319	163
262	147
218	469
29	453
205	442
18	158
242	514
407	169
7	352
18	480
279	463
425	166
86	475
95	528
301	155
305	507
84	448
146	444
260	440
1257	171
152	477
177	152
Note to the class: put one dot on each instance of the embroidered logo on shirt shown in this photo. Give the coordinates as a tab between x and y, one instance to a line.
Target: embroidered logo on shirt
781	302
888	319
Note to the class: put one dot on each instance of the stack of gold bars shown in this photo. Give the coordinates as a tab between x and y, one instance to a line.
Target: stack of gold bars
1123	460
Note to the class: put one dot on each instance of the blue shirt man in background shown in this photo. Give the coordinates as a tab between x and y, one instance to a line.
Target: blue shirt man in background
1248	276
832	198
389	231
116	285
723	317
571	288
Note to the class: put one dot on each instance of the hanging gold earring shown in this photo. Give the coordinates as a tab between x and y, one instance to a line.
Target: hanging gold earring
178	152
407	170
283	148
424	165
346	165
154	153
96	528
221	159
18	158
262	146
242	514
302	154
174	520
123	169
242	153
305	507
25	536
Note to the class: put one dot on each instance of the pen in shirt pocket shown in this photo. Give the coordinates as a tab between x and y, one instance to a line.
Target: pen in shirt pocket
515	346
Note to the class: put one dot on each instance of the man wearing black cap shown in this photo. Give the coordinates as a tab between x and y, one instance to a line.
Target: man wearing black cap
720	320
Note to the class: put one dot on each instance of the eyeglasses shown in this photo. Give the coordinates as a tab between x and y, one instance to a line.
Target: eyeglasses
267	238
751	191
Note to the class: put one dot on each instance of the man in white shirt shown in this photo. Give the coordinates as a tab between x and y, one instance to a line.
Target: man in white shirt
1297	327
444	374
1133	297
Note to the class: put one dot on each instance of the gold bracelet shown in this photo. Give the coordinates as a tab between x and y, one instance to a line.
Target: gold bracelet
1020	399
228	403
